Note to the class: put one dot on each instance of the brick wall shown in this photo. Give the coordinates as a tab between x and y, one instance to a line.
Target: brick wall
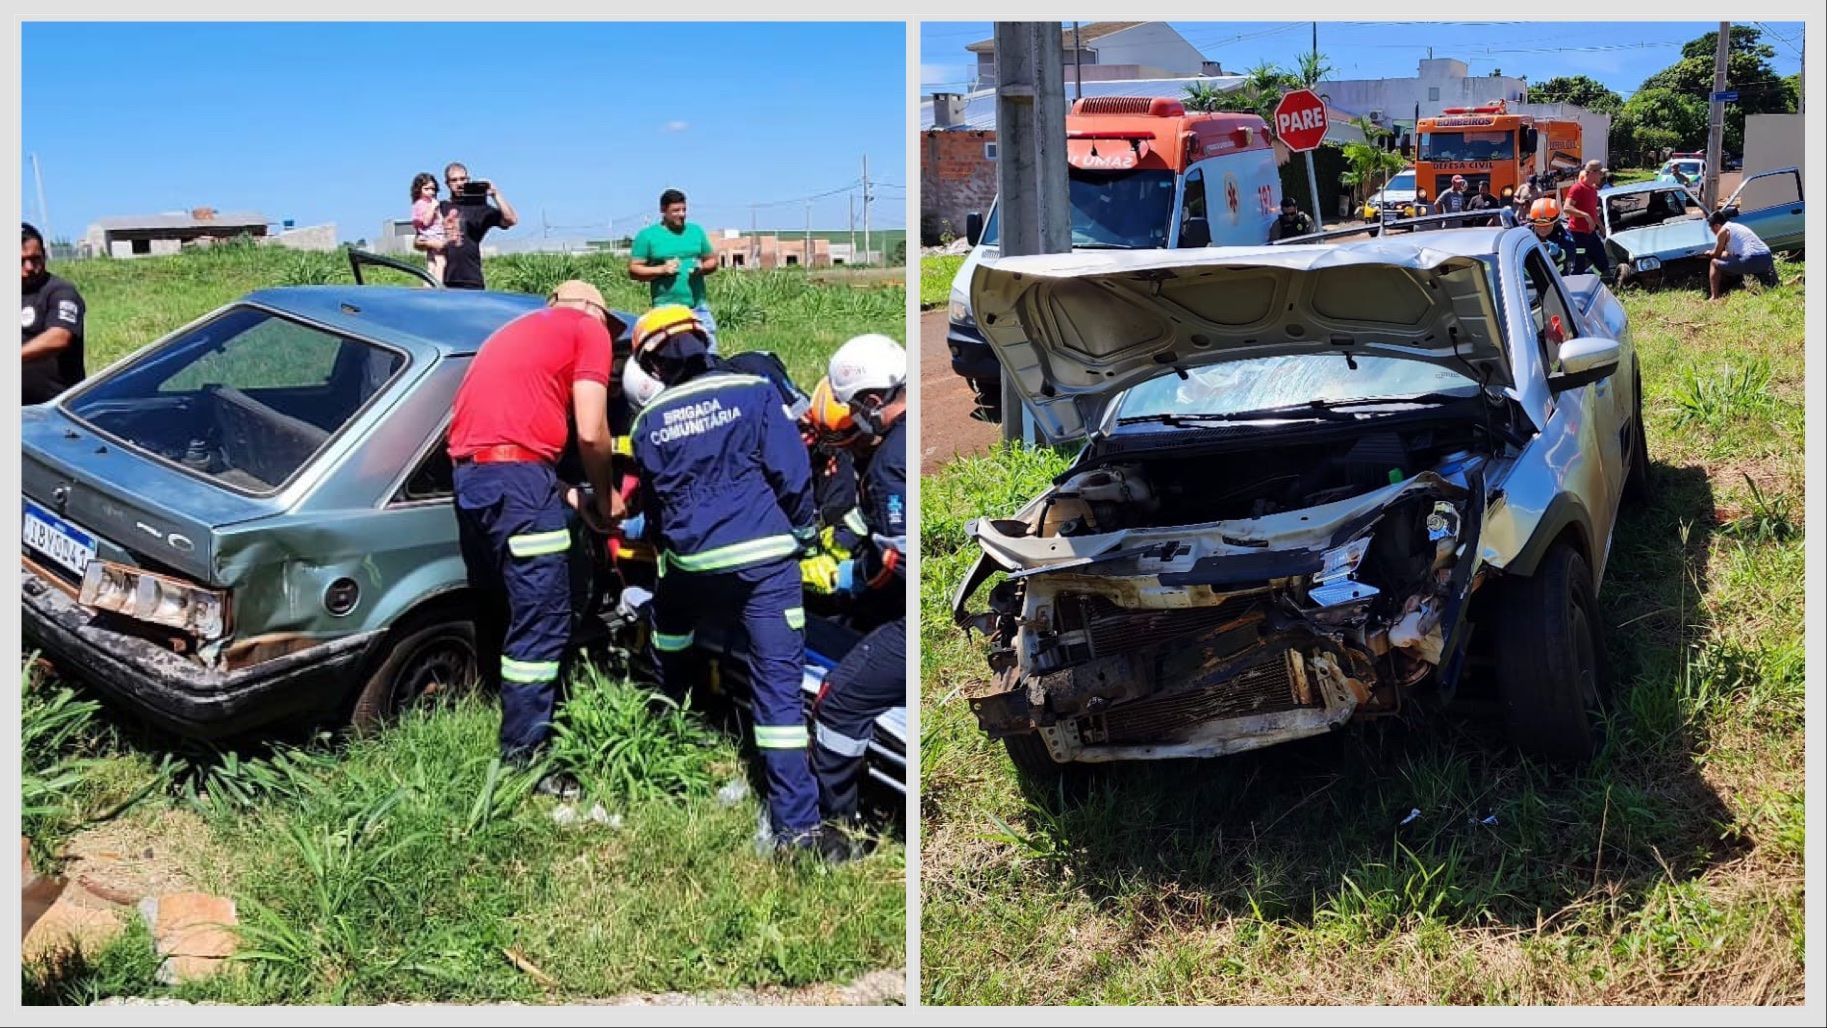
955	179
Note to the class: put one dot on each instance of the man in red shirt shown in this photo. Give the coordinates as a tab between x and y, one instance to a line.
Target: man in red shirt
1583	221
532	377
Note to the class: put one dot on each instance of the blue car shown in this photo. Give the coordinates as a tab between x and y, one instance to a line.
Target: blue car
1654	227
248	522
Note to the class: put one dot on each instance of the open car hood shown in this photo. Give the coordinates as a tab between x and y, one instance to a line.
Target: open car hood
1074	330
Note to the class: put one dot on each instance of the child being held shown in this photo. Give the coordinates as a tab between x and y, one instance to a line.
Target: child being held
428	222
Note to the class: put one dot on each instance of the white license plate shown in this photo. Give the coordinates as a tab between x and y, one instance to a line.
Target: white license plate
56	539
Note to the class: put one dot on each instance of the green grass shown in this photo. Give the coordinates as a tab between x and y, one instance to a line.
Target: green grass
936	279
803	319
403	866
1668	871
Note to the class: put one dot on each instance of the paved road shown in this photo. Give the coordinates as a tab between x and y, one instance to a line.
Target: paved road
947	429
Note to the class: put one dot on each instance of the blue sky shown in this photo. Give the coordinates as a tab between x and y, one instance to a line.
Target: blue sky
589	122
1621	55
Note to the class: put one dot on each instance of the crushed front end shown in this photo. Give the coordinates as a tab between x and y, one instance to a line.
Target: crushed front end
1116	637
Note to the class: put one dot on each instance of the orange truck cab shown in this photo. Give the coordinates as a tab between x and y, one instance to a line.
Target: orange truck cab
1142	174
1490	144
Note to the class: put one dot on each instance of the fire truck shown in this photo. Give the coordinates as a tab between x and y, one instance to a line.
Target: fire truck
1142	174
1489	143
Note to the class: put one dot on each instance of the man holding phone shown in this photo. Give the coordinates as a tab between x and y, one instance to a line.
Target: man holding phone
468	216
672	258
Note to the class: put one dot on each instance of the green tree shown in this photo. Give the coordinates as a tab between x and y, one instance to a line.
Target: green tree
1262	88
1311	69
1202	97
1369	164
1748	71
1655	118
1577	89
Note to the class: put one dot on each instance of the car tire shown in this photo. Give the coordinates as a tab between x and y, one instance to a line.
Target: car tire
430	658
1636	478
1550	661
1031	757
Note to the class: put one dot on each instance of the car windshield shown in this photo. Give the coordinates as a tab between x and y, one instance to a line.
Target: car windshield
1468	146
245	399
1124	210
1261	383
1403	183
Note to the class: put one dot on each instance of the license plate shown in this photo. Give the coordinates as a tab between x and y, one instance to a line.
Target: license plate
57	540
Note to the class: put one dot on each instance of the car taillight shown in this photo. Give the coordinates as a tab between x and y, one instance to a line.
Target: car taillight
154	598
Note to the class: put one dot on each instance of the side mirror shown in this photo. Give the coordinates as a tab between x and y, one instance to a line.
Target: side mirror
1407	144
973	227
1584	360
1195	232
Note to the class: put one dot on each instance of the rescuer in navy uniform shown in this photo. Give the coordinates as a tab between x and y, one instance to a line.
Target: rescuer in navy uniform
726	497
868	373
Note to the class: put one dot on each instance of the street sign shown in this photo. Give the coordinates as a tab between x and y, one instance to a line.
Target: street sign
1300	120
1729	96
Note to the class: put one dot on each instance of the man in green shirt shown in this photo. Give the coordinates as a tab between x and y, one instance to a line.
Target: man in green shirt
672	258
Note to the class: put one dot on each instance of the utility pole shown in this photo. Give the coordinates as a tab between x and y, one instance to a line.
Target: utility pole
1078	68
44	213
866	198
808	235
1031	162
1715	130
754	240
853	227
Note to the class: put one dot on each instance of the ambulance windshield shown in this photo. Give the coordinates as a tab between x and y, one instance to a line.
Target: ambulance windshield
1121	210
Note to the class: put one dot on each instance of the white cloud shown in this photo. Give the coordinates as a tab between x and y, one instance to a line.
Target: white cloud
677	126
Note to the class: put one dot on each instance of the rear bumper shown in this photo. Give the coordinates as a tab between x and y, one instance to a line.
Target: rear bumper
177	693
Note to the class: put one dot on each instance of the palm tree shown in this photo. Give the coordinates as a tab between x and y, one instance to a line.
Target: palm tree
1311	68
1201	96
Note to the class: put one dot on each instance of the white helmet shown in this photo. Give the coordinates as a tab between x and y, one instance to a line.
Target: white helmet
639	386
867	362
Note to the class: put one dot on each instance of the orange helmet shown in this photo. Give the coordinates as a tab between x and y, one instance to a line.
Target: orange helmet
830	417
1545	211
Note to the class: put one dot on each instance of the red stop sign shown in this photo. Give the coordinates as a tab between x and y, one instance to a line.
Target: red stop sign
1300	120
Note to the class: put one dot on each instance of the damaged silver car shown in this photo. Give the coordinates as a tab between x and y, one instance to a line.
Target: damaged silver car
1319	483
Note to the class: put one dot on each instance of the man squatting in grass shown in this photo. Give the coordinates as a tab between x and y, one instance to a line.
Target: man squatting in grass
507	431
673	257
1737	252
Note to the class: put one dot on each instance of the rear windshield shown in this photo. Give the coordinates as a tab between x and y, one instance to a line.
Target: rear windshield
246	399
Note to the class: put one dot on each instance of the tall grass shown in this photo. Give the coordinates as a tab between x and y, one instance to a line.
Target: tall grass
802	318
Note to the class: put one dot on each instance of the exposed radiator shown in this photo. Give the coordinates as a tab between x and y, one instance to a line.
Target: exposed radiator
1266	687
1113	629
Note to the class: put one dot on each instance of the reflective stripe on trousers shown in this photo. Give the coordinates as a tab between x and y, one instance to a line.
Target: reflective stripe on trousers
759	599
512	527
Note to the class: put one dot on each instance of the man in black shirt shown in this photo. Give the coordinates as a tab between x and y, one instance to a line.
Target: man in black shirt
464	226
1293	221
50	324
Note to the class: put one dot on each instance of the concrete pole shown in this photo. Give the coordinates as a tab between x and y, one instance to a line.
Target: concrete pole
808	260
44	213
1715	131
866	198
1033	196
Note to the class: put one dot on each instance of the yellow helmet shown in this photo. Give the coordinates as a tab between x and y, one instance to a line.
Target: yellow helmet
830	416
662	323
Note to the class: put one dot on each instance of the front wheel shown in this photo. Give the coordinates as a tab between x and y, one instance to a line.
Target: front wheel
1549	661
